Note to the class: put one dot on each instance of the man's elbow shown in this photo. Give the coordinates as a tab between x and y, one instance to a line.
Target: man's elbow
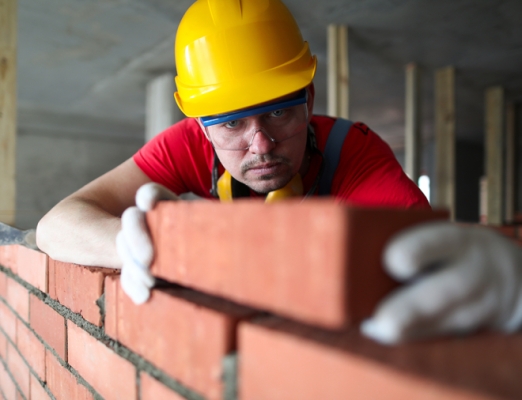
43	235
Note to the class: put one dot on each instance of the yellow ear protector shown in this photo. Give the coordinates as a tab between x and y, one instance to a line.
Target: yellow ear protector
226	188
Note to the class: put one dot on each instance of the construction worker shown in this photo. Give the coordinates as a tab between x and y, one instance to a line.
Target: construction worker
245	82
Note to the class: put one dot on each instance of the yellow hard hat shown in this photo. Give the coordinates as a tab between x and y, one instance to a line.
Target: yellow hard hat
233	54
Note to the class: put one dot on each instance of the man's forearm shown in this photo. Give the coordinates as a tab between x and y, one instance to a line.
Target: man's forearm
79	231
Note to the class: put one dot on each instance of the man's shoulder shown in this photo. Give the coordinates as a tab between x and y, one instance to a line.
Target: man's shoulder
358	133
186	125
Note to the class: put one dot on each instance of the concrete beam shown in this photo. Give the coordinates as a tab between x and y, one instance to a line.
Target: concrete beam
8	30
413	122
338	72
494	128
445	138
162	110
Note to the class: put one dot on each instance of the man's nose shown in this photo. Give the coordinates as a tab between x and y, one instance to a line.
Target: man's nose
261	142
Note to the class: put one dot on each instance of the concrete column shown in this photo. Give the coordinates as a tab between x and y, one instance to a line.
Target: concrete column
413	122
445	138
511	145
162	110
338	72
494	128
8	27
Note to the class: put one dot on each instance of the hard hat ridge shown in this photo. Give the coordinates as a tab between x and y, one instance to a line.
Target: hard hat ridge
233	54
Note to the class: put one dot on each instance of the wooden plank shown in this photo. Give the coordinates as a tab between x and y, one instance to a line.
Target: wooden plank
445	138
511	145
413	122
8	27
494	128
338	72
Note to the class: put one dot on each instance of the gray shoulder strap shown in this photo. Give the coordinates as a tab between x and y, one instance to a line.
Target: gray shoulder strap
332	154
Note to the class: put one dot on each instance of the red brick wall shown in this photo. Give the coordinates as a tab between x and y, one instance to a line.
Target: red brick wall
266	306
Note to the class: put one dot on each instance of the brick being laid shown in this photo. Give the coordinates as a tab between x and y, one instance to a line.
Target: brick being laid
317	261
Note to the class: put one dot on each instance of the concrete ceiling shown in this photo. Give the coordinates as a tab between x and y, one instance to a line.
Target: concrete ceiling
83	64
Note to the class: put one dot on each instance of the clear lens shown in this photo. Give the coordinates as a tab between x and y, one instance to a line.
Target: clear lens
277	125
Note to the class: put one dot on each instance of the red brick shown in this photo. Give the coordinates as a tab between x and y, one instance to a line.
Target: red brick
109	374
31	349
49	325
19	369
18	298
151	389
32	267
8	255
3	346
279	361
3	284
185	334
78	287
6	384
37	390
62	383
300	260
8	322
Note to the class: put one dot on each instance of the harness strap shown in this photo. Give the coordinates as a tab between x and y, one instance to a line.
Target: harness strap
332	154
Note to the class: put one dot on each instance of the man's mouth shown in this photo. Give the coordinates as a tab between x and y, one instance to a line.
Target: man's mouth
265	168
264	165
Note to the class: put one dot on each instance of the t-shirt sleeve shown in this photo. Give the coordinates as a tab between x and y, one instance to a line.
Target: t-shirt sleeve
178	158
369	174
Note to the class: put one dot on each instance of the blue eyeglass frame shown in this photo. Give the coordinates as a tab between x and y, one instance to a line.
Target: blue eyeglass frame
301	98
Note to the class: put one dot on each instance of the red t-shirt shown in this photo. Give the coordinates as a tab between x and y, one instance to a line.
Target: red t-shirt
181	159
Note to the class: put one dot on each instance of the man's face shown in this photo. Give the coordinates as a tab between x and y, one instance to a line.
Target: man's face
276	142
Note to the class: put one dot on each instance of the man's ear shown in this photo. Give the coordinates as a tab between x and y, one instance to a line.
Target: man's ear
203	129
310	103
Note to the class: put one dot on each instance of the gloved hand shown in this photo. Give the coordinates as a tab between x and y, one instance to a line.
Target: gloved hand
458	279
134	245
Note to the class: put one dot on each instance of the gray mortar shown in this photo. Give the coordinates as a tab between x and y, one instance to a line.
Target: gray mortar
230	362
13	379
101	305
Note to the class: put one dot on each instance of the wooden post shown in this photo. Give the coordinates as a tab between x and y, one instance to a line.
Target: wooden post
494	128
445	138
338	72
7	110
162	111
511	145
413	122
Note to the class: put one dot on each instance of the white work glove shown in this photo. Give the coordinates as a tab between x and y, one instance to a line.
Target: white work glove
458	279
134	244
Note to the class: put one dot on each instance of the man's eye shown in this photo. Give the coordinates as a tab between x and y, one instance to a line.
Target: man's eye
277	113
232	124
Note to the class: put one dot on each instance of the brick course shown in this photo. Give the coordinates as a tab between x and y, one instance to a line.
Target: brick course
49	325
62	383
18	298
31	349
32	267
64	276
19	369
110	375
151	389
191	335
